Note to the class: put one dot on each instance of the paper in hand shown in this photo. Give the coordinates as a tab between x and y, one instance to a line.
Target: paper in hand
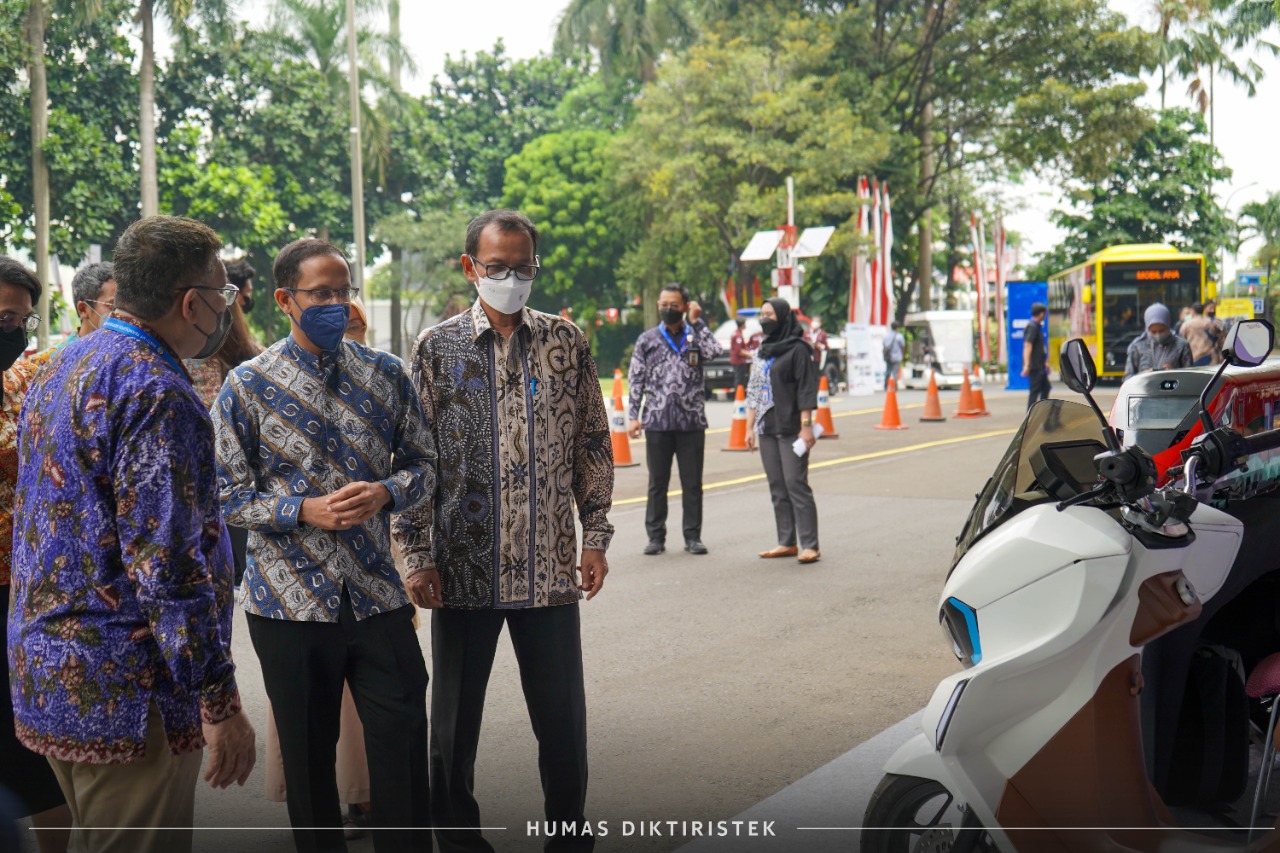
798	445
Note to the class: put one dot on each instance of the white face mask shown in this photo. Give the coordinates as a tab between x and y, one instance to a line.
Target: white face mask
505	297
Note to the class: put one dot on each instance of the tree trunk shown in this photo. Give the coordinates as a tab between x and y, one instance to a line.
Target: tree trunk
147	112
924	274
399	258
39	168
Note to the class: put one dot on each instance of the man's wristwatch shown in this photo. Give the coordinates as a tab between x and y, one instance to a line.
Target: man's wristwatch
806	422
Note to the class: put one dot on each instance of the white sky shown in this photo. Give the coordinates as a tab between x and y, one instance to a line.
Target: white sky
434	28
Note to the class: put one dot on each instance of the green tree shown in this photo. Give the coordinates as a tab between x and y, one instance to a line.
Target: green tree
563	182
628	38
1262	219
1159	194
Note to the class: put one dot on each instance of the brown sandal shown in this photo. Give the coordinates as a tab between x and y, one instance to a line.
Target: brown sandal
780	551
809	556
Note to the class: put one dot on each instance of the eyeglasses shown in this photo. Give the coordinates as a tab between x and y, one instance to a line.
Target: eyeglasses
325	296
12	322
229	293
501	272
111	306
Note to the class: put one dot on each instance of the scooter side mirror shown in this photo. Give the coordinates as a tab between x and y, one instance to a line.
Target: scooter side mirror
1075	363
1248	343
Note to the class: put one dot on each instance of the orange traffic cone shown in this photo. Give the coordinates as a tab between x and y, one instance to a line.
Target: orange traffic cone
824	410
967	408
738	429
618	433
979	402
932	405
890	419
617	383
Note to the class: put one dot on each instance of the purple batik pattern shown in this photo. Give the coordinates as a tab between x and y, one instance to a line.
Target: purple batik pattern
668	386
121	565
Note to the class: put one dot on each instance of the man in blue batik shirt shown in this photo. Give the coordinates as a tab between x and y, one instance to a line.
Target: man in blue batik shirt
319	439
666	379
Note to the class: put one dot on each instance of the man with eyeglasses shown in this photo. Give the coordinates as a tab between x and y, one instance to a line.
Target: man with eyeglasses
319	440
520	426
94	290
120	663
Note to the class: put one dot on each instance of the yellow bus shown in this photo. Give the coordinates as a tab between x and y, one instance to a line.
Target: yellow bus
1103	299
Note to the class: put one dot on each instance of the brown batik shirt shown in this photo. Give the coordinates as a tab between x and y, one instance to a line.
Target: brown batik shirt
523	437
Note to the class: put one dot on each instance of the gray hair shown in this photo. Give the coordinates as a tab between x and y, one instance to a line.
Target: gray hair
89	279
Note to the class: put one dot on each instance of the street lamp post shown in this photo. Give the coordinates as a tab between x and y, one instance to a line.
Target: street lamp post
1222	270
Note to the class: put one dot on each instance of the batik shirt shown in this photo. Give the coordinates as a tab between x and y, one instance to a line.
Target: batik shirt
522	437
670	387
121	565
16	379
292	425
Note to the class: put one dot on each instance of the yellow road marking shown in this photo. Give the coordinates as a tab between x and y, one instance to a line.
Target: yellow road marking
845	460
875	411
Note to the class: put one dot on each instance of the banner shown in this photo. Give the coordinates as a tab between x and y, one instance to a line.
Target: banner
1022	295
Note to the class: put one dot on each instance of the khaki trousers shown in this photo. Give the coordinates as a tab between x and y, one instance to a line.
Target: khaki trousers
145	807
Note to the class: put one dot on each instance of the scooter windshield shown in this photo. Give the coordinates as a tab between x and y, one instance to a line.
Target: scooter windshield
1013	487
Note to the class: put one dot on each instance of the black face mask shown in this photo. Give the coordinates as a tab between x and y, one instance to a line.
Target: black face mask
768	326
670	316
12	345
1211	314
213	340
246	304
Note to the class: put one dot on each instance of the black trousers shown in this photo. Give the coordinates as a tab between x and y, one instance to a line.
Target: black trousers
688	448
304	665
741	375
548	646
1039	380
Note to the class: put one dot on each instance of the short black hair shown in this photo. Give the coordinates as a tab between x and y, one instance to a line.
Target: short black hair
1197	307
239	271
12	272
87	284
158	256
1038	308
506	220
676	287
894	325
288	266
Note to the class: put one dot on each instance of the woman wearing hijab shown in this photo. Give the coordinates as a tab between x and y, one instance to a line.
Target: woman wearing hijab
357	322
781	397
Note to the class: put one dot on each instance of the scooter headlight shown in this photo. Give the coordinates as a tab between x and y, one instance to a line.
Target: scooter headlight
961	624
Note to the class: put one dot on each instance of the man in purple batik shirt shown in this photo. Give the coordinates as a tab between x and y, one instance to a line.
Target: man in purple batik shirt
666	380
120	631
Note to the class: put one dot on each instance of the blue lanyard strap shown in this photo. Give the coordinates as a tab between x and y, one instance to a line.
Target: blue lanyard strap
684	336
131	331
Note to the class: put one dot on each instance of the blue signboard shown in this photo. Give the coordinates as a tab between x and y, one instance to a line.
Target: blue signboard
1021	296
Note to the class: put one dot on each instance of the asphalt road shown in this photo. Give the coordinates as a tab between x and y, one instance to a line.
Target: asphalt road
715	682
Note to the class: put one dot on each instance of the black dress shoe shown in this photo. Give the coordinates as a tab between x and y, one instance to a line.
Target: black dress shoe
654	547
695	546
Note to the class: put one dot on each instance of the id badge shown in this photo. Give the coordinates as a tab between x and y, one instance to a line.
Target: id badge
693	357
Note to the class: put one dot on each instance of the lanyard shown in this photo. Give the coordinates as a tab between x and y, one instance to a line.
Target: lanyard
131	331
766	391
684	336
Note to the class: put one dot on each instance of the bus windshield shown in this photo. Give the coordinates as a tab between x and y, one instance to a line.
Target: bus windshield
1129	288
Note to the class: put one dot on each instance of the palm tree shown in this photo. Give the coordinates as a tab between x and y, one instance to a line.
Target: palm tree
314	31
39	168
1173	50
1262	219
628	36
178	12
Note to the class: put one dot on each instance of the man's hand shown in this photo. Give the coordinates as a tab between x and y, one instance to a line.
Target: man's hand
594	567
318	513
356	503
633	428
695	311
424	588
232	751
1024	372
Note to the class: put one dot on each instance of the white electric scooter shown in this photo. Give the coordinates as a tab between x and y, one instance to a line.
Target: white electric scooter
1071	561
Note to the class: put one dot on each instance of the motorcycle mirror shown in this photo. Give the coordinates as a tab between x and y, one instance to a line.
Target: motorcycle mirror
1075	363
1248	343
1076	366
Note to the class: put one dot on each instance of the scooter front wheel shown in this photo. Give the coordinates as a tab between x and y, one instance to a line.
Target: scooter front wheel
908	814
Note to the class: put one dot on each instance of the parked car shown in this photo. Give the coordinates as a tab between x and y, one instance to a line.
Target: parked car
718	372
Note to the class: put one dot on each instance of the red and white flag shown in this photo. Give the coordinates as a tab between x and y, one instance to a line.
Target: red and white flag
860	278
885	302
980	287
1002	273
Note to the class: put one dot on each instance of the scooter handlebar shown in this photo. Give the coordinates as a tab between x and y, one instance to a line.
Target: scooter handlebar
1263	441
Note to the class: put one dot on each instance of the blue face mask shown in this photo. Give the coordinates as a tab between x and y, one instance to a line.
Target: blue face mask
324	325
